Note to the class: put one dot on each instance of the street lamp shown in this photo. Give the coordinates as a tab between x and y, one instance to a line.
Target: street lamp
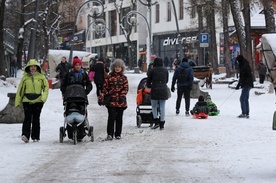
96	12
132	20
99	27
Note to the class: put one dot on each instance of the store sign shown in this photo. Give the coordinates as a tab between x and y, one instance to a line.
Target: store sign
184	40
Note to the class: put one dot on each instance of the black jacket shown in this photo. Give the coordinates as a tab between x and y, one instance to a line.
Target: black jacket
99	68
157	80
63	69
246	79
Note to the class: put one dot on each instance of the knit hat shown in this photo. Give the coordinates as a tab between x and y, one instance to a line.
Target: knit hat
200	98
75	61
208	97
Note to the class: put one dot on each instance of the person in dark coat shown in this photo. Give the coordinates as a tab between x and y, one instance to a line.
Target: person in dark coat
63	68
76	76
157	80
246	83
99	68
261	68
184	77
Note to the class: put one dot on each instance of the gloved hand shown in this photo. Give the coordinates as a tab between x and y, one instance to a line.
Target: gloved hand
191	87
172	88
237	87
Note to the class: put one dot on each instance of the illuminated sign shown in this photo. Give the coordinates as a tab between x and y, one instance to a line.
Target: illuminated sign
184	40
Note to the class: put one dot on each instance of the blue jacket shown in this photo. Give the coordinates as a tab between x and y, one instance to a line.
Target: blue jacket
190	75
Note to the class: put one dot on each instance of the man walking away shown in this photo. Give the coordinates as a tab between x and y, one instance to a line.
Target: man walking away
184	76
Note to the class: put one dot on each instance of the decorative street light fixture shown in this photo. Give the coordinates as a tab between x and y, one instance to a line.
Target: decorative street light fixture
96	13
132	20
99	27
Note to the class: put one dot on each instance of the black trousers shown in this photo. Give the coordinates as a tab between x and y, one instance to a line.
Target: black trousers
262	78
180	91
32	120
115	118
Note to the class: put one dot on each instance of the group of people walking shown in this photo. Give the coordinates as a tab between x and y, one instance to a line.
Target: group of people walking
33	90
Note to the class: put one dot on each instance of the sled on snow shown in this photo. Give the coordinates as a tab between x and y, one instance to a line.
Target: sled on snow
200	115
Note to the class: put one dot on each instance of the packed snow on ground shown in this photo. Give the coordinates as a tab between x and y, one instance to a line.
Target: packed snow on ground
218	149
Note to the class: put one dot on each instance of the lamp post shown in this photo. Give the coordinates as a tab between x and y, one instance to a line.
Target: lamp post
132	20
149	4
95	14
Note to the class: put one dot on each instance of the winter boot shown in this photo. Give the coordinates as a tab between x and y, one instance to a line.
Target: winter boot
162	123
156	123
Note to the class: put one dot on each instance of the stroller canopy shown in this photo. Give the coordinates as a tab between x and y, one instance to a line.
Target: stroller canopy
75	92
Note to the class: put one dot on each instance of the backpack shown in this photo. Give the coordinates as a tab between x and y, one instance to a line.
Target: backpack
183	76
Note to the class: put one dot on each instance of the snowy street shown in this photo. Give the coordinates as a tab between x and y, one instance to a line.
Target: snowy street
218	149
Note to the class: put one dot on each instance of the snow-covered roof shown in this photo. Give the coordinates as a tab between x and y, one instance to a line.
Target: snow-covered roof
269	42
258	20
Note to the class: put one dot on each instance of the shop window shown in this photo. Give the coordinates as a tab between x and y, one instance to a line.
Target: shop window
181	10
169	12
157	13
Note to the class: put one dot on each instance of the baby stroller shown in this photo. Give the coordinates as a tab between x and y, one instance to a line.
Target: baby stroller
143	109
75	115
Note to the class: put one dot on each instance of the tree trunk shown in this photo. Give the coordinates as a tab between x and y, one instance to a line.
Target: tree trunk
3	65
234	4
201	60
249	52
227	56
213	58
20	44
269	16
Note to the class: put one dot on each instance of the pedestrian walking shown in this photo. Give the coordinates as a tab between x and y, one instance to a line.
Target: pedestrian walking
184	77
157	80
76	76
246	83
14	66
261	68
116	86
100	70
32	92
62	69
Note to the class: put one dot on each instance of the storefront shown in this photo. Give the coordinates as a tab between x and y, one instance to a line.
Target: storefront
167	45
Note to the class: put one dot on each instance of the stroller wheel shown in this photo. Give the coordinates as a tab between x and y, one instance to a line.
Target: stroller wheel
61	134
138	121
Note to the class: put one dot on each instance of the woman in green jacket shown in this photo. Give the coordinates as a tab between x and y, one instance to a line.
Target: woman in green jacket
32	92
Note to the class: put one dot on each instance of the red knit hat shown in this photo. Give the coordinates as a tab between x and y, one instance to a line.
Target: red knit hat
75	61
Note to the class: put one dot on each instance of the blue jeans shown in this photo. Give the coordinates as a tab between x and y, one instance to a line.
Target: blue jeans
14	71
244	100
161	104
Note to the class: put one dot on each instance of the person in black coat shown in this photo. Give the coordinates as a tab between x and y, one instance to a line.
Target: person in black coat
99	68
157	80
246	83
184	77
63	68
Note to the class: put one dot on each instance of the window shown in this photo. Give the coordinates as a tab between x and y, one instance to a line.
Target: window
169	12
181	10
157	13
